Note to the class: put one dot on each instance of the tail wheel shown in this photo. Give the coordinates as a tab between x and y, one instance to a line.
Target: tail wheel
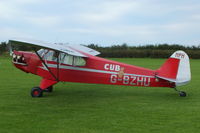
36	92
182	94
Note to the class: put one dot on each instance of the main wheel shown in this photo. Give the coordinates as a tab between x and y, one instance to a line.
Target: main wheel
182	94
36	92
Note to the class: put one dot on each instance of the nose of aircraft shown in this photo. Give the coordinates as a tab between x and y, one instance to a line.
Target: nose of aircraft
19	58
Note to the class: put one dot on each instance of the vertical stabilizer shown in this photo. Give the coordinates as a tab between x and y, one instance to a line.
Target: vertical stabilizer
176	69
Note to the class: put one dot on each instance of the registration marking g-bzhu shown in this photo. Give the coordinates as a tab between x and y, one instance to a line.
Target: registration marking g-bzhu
131	80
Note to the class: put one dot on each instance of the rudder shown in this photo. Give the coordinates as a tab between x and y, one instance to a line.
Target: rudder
176	69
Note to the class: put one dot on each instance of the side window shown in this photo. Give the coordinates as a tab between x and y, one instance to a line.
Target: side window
41	52
66	59
55	56
79	61
72	60
48	55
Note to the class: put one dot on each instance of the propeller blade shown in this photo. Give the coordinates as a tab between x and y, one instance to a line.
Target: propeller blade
10	48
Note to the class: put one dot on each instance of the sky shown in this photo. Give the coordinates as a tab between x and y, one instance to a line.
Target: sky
103	22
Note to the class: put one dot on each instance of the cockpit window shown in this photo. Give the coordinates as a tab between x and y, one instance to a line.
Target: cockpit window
66	59
51	55
72	60
79	61
42	52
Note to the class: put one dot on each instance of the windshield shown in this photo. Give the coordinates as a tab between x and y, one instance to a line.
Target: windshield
49	55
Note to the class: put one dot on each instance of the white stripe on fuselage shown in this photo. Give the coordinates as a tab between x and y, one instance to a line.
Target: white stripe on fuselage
88	70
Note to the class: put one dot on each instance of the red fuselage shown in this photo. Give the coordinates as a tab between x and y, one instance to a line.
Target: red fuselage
96	70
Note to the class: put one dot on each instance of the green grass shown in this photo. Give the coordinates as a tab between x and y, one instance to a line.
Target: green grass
91	108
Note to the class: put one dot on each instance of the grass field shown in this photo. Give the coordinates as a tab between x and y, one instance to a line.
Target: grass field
91	108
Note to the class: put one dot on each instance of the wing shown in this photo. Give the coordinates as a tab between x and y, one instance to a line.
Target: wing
69	49
84	49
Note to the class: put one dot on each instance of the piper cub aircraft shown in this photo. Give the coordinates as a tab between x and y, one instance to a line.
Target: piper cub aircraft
77	63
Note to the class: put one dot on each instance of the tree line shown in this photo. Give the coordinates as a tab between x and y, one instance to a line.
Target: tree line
126	51
145	51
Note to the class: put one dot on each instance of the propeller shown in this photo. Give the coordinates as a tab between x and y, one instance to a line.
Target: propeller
10	48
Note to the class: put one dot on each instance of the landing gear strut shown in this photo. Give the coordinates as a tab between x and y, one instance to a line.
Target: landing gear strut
181	93
38	92
49	89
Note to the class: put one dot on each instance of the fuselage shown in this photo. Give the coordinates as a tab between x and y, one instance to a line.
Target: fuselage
90	69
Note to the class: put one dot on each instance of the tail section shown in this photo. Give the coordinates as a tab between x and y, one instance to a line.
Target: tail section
176	69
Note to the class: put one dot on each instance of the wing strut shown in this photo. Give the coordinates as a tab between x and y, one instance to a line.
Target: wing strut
47	66
58	64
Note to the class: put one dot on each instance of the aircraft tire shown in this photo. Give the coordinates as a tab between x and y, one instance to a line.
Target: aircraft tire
36	92
182	94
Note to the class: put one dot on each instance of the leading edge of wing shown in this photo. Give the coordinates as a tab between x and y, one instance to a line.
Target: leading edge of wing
52	46
84	49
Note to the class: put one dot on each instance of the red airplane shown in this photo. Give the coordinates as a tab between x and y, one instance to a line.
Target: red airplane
77	63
